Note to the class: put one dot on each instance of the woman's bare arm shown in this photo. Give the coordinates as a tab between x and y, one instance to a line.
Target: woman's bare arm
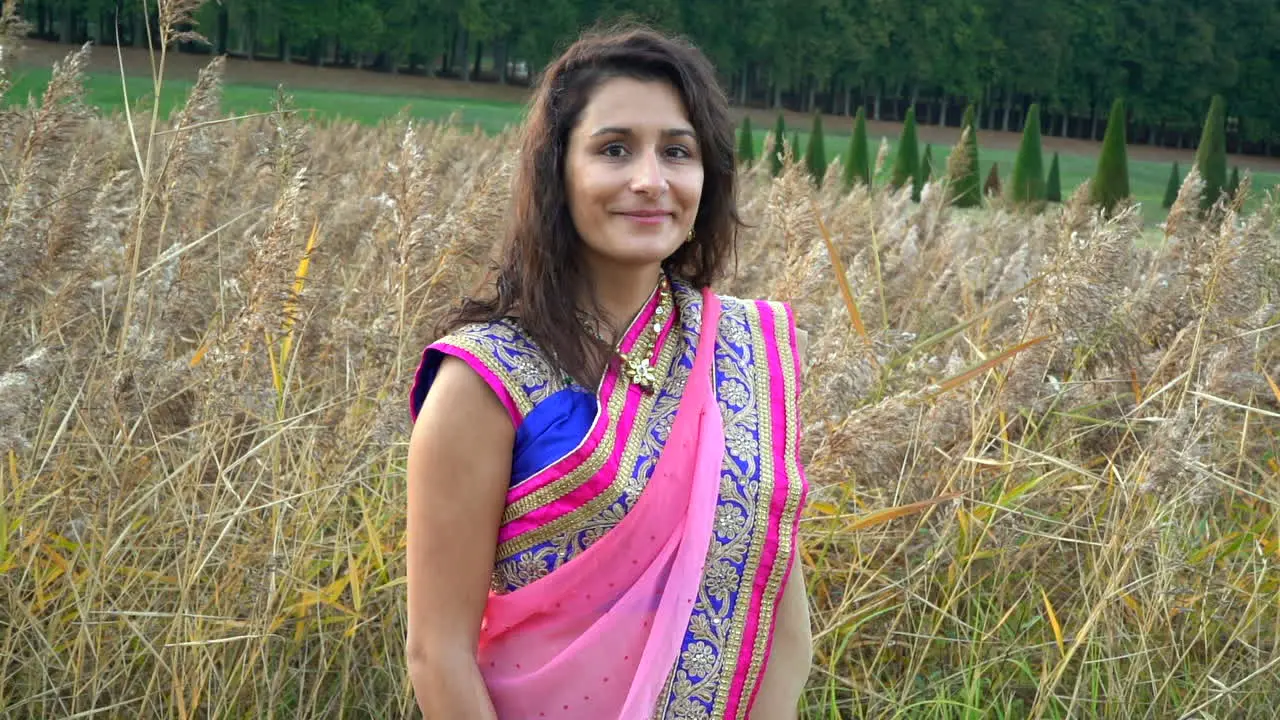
459	467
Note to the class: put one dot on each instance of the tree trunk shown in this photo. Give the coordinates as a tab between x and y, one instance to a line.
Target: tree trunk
500	52
813	95
875	103
744	92
1008	110
222	30
251	32
446	58
777	95
285	51
337	50
69	24
479	57
461	53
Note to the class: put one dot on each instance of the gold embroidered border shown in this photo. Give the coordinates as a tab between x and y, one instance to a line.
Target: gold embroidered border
484	353
591	466
769	602
693	300
764	494
562	486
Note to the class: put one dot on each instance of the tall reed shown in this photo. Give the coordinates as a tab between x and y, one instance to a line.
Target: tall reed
1044	452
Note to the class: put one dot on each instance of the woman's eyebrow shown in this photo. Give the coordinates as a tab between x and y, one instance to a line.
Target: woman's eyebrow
627	132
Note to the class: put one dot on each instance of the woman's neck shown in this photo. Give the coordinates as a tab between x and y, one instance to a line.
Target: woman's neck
621	294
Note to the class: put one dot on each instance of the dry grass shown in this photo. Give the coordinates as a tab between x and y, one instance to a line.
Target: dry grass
210	329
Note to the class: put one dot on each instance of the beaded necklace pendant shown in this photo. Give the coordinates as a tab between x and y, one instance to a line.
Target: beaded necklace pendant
637	365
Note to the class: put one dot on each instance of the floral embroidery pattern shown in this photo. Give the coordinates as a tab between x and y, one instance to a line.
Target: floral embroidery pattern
504	348
699	659
692	694
698	686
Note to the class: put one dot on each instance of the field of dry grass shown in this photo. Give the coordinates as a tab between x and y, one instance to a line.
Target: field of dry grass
1044	454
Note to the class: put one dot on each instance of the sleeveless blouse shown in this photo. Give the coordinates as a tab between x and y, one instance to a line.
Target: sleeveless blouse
582	458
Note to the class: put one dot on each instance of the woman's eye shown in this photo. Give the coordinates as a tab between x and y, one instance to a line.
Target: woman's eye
614	150
679	151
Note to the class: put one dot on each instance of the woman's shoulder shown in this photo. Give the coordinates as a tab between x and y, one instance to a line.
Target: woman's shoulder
504	331
773	313
771	320
504	355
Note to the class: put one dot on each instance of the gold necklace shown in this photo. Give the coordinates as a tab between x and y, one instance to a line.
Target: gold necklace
638	363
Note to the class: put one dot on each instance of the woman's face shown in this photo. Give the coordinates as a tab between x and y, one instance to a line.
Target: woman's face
633	174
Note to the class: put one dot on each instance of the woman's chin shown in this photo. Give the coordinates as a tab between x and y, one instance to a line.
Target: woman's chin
639	254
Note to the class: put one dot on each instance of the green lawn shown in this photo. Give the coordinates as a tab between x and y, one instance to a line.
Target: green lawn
104	91
1146	179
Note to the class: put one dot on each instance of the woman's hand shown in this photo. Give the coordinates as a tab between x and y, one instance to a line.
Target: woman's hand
459	468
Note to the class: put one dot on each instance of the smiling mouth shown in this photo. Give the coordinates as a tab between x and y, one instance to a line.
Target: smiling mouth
647	218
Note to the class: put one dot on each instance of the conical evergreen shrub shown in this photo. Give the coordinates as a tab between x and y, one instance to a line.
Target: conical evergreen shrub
857	160
924	173
815	155
795	146
1053	186
966	186
1233	184
746	144
1027	186
907	160
1171	188
775	157
1111	181
1211	156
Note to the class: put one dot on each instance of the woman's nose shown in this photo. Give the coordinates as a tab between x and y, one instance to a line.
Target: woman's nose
649	177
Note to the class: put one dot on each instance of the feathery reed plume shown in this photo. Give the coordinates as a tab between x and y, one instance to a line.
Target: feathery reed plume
177	21
268	276
229	484
20	389
882	156
13	29
190	142
958	163
42	156
1185	208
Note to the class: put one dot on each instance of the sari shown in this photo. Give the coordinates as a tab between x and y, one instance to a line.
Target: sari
648	536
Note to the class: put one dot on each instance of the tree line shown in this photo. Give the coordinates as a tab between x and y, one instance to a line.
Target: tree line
1029	188
1074	58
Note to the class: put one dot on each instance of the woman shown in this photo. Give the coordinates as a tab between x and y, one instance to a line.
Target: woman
604	487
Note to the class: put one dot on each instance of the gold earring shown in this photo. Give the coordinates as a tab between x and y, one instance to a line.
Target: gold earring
689	238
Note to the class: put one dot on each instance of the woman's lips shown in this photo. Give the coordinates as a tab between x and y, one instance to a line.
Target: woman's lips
647	218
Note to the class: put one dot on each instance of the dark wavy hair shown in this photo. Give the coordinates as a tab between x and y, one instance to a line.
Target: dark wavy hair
538	277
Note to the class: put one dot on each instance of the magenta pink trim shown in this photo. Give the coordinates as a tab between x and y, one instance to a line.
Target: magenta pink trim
608	474
579	454
794	337
642	319
490	378
777	504
597	638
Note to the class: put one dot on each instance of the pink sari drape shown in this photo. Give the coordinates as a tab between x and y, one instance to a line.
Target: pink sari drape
598	637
